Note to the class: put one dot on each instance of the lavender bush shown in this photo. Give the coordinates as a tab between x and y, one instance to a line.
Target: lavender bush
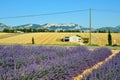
108	71
19	62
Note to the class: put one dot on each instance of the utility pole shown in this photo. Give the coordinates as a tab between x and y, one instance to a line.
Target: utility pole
90	25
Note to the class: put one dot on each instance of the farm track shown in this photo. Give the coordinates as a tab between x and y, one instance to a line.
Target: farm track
96	66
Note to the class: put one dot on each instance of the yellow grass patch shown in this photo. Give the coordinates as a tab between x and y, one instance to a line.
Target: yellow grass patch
1	34
54	38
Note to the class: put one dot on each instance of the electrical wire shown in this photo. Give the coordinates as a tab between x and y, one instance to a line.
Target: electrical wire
45	14
106	10
58	13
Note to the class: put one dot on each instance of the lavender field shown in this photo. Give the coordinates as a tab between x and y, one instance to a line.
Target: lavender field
18	62
108	71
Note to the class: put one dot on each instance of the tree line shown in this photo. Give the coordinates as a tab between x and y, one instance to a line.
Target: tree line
27	30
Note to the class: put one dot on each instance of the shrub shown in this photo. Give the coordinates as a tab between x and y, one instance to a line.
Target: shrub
85	40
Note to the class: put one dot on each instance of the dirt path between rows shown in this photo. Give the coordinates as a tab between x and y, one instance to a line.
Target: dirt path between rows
96	66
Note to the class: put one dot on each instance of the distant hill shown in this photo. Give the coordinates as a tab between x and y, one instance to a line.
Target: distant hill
112	29
33	26
63	27
3	26
50	26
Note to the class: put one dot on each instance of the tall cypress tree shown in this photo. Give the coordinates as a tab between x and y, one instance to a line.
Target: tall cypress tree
109	38
33	42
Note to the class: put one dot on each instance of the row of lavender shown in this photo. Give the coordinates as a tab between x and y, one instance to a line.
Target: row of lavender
108	71
45	62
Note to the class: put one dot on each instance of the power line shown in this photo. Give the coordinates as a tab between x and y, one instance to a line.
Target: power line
65	12
107	10
45	14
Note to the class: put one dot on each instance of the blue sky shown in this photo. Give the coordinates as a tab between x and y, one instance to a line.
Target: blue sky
100	17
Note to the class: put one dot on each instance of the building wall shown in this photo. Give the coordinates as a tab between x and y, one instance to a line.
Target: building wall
74	39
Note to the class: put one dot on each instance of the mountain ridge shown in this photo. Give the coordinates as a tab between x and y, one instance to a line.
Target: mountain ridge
50	26
3	26
55	26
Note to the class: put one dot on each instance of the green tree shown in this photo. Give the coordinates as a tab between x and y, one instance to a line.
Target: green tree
9	30
33	42
109	38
